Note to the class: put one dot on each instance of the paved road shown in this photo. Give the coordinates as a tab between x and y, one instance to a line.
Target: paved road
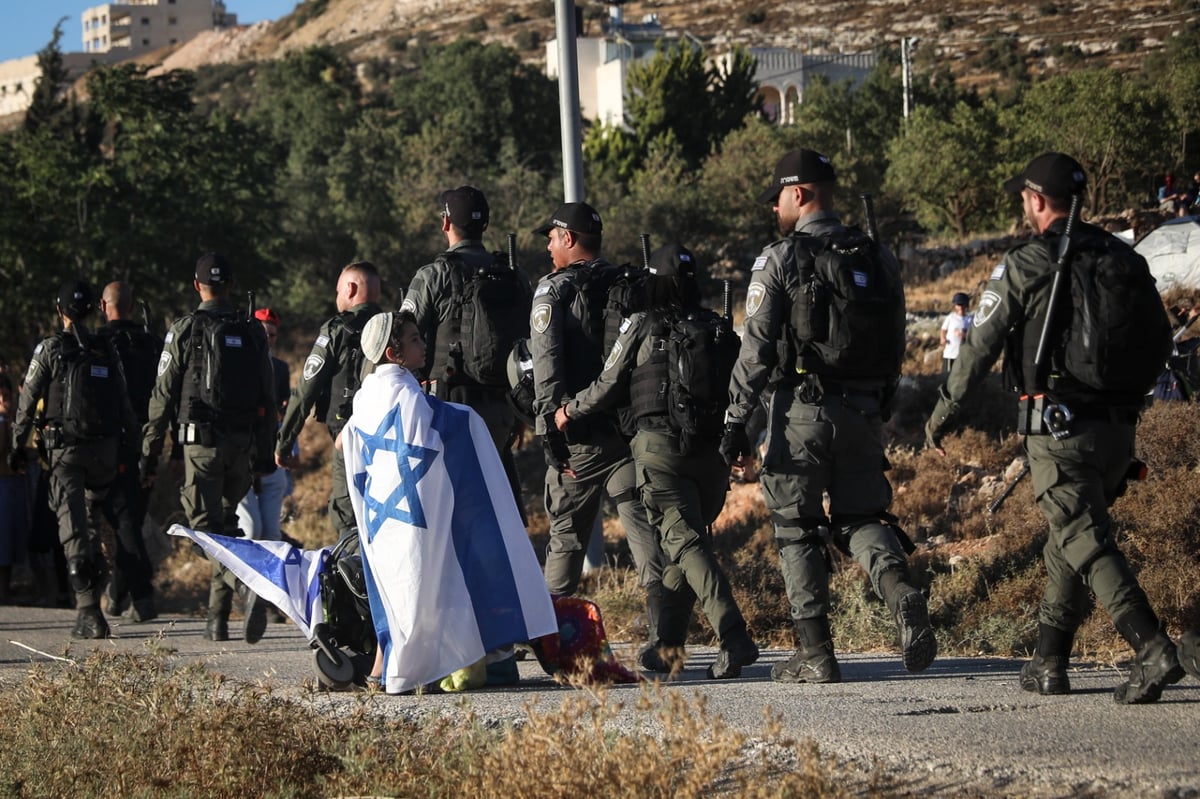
964	724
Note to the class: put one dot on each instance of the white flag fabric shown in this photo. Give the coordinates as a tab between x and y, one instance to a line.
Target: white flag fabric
451	573
278	572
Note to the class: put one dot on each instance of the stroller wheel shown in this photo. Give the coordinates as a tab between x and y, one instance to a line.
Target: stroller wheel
336	672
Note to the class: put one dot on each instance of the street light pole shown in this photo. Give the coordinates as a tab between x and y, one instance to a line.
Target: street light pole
568	101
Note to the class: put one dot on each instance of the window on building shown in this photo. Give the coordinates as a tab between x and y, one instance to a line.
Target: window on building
145	20
145	42
174	41
172	21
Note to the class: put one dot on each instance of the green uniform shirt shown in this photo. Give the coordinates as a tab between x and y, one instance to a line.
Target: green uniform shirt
329	356
173	367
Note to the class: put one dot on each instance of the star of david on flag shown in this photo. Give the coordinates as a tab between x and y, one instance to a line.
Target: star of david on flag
287	577
412	463
451	574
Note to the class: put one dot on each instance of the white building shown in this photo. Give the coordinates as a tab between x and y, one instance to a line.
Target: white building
137	26
19	77
782	74
112	33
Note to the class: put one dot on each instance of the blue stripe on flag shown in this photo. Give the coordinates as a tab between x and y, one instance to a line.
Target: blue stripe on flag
475	530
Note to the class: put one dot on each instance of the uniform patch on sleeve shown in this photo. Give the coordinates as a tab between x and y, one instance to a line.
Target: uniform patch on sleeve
988	304
539	320
409	306
542	291
998	272
613	355
169	337
322	341
754	298
759	263
164	361
312	366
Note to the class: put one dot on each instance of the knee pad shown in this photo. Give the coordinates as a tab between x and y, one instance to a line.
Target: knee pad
81	574
673	578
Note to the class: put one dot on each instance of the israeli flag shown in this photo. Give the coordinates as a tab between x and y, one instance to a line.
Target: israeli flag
451	574
278	572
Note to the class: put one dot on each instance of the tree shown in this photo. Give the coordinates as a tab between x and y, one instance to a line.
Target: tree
1111	125
938	165
488	96
676	97
47	107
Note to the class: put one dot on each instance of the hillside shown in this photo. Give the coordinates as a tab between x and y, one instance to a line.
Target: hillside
974	39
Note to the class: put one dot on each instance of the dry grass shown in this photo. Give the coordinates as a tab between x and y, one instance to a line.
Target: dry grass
143	727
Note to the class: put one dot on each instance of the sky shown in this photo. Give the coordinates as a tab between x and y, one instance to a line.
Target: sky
27	30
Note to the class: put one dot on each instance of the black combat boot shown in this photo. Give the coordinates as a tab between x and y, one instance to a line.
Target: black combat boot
1046	673
669	613
217	627
142	610
814	661
918	644
255	609
1189	653
737	649
90	623
1156	665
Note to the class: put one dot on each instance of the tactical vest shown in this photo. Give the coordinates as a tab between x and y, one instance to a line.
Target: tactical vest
224	371
848	311
489	312
339	404
86	390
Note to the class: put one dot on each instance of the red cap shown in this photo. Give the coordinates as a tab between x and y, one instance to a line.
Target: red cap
267	315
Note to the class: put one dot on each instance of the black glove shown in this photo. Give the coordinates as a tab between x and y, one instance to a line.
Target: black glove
735	443
557	452
17	459
147	468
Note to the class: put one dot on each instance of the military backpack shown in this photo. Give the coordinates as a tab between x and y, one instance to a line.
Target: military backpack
86	390
849	311
225	371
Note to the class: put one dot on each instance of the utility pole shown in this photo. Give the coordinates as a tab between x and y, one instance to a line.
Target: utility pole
568	101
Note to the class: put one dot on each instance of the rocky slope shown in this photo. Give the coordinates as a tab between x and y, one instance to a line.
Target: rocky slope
959	33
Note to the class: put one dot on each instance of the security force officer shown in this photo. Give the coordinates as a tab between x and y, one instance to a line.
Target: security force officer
222	450
330	378
824	435
591	458
130	589
81	465
682	486
430	297
1075	478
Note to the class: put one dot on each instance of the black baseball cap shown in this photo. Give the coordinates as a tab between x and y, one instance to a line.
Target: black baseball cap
75	298
214	269
1052	174
575	217
674	260
961	298
466	208
798	166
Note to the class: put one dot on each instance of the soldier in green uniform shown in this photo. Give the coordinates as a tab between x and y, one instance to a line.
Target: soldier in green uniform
824	432
592	457
215	378
330	377
681	476
87	417
1077	476
433	300
130	588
